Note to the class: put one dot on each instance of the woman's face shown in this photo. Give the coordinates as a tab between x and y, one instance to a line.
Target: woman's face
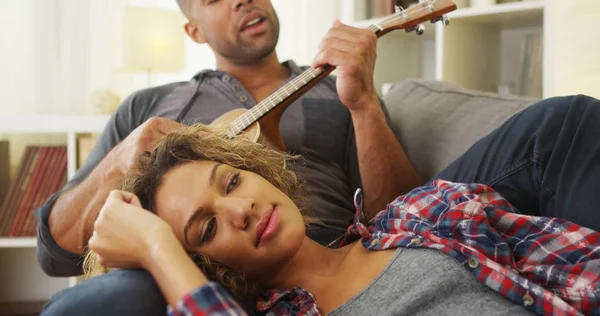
233	216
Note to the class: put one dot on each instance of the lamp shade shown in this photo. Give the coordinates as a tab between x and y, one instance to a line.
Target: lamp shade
153	40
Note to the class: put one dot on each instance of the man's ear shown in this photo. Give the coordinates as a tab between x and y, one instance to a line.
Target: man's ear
194	32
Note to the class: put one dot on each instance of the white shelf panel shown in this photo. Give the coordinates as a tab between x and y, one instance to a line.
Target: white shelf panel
53	124
18	242
517	14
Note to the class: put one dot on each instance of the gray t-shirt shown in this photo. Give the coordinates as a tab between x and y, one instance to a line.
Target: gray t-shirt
420	281
317	125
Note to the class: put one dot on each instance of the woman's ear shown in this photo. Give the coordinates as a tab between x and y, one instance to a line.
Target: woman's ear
194	32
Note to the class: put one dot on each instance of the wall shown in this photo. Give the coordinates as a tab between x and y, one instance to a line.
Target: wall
62	50
303	25
574	47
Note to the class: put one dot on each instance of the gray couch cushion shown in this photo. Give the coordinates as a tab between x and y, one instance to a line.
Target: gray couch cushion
436	122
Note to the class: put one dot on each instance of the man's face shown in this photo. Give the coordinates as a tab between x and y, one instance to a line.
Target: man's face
242	31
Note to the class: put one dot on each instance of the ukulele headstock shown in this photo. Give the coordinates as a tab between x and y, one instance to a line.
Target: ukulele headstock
411	18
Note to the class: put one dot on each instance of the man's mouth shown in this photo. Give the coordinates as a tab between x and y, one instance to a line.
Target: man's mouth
252	23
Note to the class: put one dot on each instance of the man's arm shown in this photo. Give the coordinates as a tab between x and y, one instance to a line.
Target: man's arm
385	170
65	222
59	247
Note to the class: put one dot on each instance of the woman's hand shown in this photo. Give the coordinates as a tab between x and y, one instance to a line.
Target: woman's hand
124	232
128	236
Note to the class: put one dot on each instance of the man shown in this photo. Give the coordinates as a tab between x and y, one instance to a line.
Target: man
343	135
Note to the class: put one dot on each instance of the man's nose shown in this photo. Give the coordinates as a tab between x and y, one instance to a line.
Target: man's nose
238	4
236	210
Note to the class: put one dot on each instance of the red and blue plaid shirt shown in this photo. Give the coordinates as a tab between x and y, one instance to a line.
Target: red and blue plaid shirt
548	265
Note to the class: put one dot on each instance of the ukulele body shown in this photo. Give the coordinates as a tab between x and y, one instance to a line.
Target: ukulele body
265	131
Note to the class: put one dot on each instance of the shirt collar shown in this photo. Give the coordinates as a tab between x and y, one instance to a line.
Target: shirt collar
290	64
271	298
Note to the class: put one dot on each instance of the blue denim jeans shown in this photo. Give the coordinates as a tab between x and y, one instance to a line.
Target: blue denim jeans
121	292
544	160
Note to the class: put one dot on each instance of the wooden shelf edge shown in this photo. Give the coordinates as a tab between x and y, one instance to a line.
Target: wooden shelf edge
18	242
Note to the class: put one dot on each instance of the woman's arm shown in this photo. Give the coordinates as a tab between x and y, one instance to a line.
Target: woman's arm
184	286
173	269
127	236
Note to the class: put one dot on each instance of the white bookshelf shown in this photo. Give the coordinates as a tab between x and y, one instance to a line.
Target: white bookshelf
480	49
18	242
53	124
506	13
23	279
483	46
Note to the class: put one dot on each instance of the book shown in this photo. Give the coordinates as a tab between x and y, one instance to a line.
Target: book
4	169
26	168
6	208
53	181
44	174
30	188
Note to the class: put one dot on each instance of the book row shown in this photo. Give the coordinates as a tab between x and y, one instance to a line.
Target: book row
41	172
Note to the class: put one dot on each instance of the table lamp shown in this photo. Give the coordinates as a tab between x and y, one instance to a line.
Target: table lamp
153	40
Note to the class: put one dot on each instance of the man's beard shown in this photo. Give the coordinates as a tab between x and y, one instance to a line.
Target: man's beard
244	51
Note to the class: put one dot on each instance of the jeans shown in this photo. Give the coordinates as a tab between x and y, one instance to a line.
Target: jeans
545	160
121	292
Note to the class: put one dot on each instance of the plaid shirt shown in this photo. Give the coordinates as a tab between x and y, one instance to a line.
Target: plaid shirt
548	265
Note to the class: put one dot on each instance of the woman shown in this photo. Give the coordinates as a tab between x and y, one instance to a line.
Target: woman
235	210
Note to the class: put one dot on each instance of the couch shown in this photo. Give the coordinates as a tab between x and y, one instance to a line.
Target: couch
436	121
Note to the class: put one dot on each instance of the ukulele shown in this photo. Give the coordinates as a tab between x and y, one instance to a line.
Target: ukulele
261	122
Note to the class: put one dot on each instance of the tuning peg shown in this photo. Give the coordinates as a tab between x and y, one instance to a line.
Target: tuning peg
419	29
444	19
400	10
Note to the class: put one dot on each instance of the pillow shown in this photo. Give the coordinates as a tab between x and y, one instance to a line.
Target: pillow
436	122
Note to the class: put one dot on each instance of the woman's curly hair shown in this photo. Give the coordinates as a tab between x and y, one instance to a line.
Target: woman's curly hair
197	143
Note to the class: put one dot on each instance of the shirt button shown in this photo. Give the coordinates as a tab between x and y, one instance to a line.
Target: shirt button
416	241
243	98
226	78
472	263
527	300
237	88
375	242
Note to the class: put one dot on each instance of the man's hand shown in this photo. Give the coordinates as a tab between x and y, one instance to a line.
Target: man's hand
353	51
124	156
125	233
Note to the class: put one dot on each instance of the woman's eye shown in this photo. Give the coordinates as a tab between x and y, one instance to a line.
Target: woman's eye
210	231
233	182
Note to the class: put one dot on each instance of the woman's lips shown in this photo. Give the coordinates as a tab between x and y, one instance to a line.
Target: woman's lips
267	225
